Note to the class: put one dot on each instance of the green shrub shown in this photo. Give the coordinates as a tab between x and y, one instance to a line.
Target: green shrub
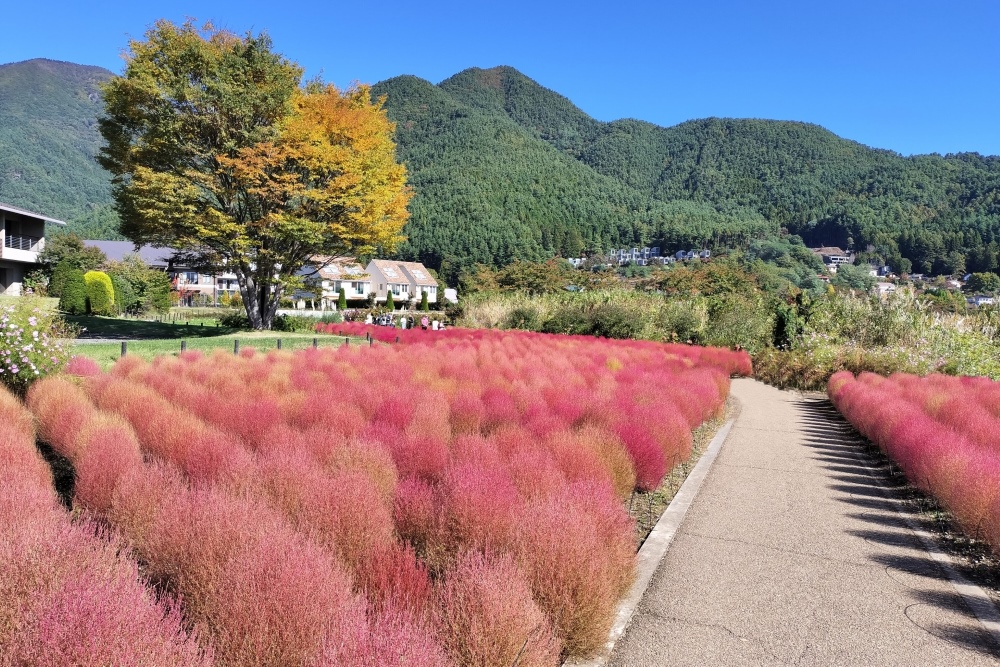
612	321
126	300
100	293
331	318
525	318
294	323
568	320
235	320
388	301
342	300
424	305
32	344
73	292
59	275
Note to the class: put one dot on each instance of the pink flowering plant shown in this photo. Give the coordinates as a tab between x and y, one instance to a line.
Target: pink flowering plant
33	343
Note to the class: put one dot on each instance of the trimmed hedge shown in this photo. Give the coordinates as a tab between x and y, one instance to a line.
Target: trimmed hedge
100	293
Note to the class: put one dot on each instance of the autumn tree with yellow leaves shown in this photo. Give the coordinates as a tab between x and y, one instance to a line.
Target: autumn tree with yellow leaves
217	148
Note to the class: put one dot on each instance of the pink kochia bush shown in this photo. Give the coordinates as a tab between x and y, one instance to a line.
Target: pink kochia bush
943	432
68	594
457	499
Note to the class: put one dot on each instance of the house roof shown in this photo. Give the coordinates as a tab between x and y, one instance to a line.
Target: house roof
21	211
116	251
828	250
410	272
340	268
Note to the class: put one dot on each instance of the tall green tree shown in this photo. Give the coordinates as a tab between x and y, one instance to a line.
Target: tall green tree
216	148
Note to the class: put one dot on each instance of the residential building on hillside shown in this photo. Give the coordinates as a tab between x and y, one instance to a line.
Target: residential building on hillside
23	238
833	257
406	280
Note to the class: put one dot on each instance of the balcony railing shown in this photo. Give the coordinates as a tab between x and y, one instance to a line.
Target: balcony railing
16	242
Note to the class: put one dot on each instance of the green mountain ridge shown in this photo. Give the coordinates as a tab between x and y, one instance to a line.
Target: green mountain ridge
48	140
933	213
504	168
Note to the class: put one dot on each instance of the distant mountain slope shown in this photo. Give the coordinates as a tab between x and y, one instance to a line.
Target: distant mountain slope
504	168
939	212
48	139
490	190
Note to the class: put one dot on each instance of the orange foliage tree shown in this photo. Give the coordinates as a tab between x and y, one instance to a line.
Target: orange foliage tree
218	149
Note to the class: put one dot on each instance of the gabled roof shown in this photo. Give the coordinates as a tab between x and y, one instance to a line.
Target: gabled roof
21	211
408	272
116	251
828	250
340	268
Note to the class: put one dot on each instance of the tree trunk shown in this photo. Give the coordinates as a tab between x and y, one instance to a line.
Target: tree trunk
259	300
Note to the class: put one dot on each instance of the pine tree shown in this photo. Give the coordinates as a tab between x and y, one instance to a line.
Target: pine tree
342	300
388	301
424	306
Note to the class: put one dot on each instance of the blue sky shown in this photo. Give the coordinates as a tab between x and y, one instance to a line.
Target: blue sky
912	76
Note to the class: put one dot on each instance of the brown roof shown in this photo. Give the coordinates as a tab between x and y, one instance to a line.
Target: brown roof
409	272
828	250
341	268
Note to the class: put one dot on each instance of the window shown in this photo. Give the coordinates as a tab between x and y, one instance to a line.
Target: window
191	277
396	290
358	288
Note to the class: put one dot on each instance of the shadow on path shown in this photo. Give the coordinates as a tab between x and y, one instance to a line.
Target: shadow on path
863	479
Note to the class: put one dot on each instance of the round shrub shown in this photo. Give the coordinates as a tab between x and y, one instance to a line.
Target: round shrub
73	292
100	293
568	320
523	317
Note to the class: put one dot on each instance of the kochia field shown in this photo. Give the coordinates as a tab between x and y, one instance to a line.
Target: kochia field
455	499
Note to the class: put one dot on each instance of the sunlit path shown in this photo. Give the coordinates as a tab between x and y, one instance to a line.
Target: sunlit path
794	553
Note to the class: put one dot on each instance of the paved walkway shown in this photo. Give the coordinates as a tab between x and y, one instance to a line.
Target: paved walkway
792	555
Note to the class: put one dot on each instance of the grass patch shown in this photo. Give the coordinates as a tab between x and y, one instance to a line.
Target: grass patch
92	326
106	353
45	303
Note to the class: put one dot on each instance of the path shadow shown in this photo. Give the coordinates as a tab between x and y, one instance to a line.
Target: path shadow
863	478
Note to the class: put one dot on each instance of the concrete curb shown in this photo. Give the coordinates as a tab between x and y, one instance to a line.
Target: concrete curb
978	602
656	546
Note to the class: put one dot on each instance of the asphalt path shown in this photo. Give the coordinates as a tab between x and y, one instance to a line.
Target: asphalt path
794	553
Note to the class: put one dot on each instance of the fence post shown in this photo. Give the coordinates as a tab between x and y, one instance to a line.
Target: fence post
124	347
184	346
236	346
315	342
347	341
397	339
279	343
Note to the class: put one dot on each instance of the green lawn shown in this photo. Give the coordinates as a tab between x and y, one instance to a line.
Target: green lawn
92	326
101	338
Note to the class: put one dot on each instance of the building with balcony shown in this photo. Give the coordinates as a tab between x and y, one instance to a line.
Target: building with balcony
22	238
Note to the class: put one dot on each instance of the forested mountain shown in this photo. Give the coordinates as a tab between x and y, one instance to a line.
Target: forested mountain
504	168
489	190
48	139
940	214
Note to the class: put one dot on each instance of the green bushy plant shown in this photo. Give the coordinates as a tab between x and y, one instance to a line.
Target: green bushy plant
32	343
523	317
100	293
73	292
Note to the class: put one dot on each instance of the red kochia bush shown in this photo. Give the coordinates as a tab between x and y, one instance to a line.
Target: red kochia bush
455	499
487	616
931	429
68	594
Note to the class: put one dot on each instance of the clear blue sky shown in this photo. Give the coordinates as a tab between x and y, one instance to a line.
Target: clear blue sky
913	76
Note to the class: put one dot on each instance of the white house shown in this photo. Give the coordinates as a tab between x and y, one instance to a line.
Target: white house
406	280
336	273
22	238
